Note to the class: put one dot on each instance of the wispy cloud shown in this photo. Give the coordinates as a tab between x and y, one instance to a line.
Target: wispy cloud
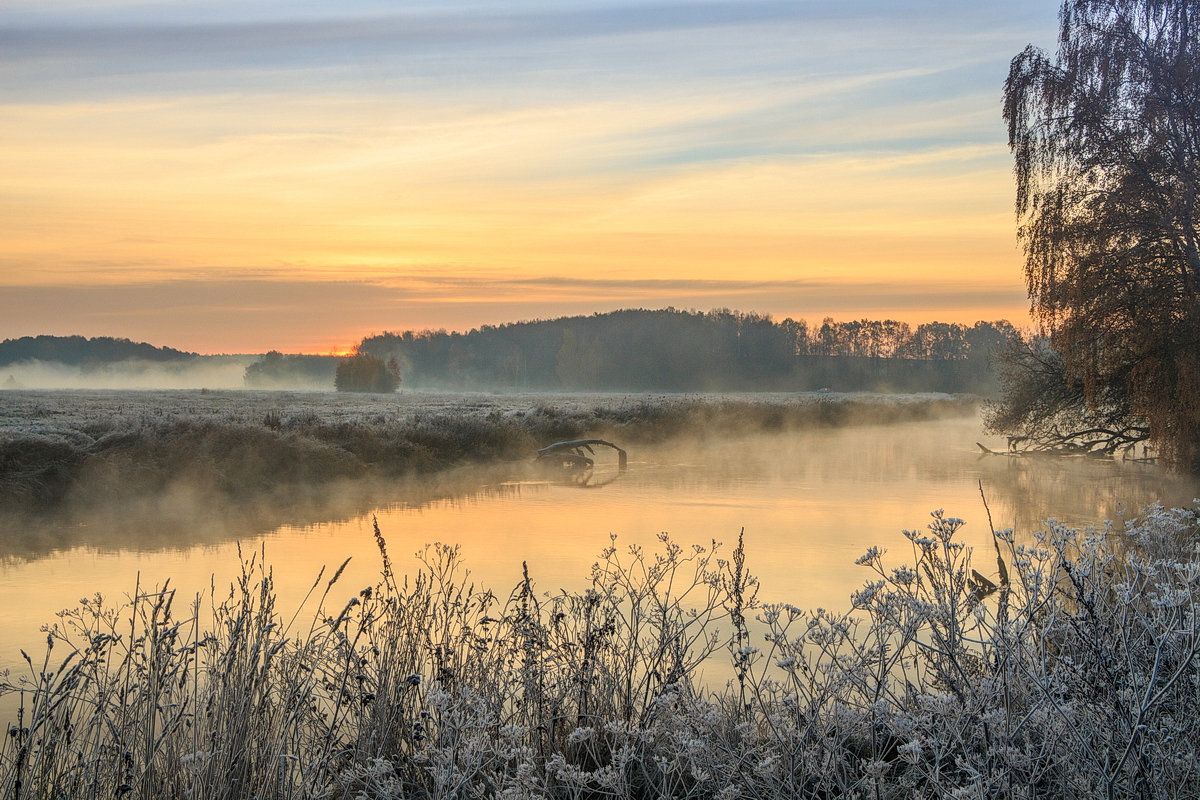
100	30
418	29
144	47
856	143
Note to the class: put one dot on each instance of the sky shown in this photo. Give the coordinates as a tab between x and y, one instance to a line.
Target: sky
233	177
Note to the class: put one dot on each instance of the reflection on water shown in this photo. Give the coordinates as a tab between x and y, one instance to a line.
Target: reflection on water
810	504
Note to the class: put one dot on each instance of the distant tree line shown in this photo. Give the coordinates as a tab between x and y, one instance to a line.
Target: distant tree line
82	351
720	350
628	350
276	370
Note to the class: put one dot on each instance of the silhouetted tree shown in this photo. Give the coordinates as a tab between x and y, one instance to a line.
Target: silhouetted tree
984	339
939	341
1044	411
1106	140
363	372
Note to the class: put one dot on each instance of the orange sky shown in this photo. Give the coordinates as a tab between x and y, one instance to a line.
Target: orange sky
232	186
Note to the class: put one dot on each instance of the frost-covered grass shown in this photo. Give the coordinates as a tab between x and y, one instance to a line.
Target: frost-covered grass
1070	669
101	446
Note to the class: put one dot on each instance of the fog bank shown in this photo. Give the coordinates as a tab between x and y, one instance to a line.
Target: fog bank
203	372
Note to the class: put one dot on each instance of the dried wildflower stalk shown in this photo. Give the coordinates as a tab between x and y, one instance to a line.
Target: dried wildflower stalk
1072	671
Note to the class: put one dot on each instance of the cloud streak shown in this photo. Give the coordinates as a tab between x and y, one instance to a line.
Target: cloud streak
114	52
174	40
827	154
97	37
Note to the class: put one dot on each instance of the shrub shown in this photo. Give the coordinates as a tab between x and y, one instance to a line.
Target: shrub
366	373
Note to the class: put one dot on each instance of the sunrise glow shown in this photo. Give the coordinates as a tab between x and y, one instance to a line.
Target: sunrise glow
234	178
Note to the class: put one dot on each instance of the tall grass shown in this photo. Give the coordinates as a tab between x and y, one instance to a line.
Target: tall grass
1071	669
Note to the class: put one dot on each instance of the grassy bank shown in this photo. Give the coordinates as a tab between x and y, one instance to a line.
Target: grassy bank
56	448
1069	669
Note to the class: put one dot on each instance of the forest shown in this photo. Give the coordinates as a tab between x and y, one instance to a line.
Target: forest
82	351
719	350
628	350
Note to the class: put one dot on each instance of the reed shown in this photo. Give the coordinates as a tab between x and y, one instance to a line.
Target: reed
1070	669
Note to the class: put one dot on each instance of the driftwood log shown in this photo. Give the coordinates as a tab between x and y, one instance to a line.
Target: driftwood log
571	454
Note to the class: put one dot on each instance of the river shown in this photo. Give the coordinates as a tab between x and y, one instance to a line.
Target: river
809	503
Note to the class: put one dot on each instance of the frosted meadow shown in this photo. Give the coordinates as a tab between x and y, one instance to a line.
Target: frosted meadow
1043	664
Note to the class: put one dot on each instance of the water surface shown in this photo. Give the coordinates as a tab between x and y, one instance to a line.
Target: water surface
810	503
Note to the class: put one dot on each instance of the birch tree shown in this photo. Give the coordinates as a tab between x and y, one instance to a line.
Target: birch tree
1106	141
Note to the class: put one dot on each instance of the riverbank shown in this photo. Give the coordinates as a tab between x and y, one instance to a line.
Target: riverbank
62	448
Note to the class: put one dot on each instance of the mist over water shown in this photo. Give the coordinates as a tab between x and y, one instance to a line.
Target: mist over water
810	501
207	372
